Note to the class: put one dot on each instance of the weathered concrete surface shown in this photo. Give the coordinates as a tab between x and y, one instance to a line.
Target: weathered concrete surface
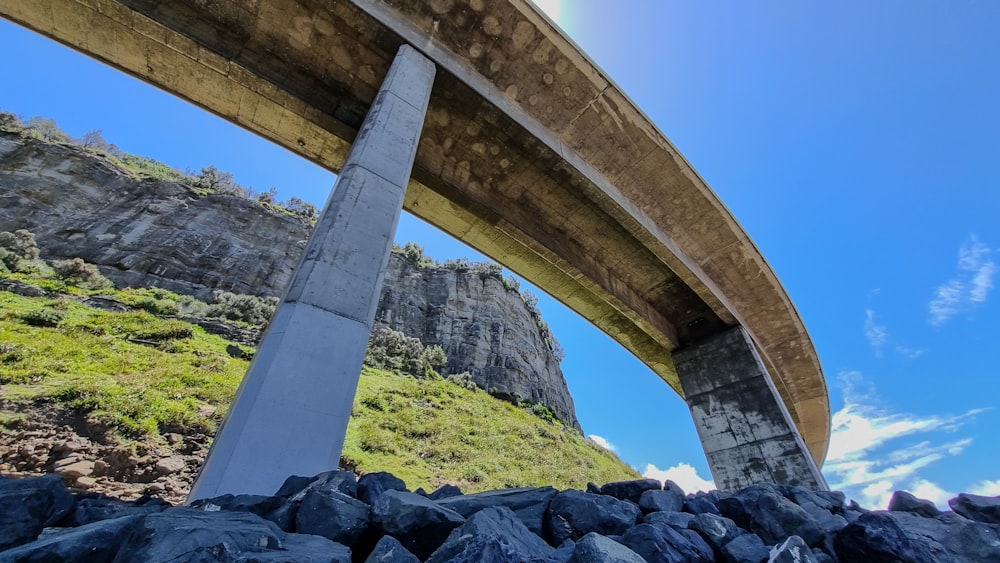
290	414
530	154
744	427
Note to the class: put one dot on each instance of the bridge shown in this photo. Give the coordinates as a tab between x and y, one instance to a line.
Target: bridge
482	118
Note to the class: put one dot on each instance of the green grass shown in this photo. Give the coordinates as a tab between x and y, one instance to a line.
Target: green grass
429	432
143	376
94	361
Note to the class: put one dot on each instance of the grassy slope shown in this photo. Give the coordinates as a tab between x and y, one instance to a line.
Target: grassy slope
426	431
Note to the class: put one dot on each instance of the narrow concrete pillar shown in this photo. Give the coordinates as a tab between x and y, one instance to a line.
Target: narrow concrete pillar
743	424
290	413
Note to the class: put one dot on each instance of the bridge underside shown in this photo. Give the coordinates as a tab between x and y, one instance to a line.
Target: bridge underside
528	153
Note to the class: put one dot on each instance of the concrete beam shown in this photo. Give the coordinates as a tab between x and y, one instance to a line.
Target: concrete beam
291	411
745	429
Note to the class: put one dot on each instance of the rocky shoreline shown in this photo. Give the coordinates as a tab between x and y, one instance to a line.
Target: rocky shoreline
336	517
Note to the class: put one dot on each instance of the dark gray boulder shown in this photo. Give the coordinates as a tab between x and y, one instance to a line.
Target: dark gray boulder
631	490
332	515
746	548
764	511
343	482
677	520
389	550
494	535
370	485
965	539
903	501
302	548
256	504
830	501
976	507
93	507
702	503
277	509
30	504
293	485
186	534
573	514
716	530
666	545
528	504
661	500
419	523
96	542
445	491
878	537
595	548
792	550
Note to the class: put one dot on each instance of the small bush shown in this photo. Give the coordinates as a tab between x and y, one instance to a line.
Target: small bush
414	254
393	350
167	330
158	306
17	250
43	317
80	273
464	380
10	353
246	308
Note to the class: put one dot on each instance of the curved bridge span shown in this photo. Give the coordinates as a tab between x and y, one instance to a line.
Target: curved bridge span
528	152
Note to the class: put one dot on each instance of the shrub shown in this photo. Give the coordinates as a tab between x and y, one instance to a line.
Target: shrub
246	308
414	254
393	350
158	306
43	317
80	273
47	130
10	121
301	208
463	379
17	249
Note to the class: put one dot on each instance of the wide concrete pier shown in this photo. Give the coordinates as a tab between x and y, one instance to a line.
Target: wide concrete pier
529	153
744	427
290	414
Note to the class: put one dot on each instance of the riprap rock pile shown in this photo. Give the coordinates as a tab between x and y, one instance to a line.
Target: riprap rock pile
335	517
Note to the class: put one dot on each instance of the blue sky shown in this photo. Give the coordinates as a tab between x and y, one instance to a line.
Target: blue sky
857	143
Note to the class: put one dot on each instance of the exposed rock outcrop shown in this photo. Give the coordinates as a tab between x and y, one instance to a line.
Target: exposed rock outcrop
483	328
325	519
145	232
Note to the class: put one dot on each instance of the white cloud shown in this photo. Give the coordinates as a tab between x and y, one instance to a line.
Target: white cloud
986	488
601	441
873	453
684	475
910	353
930	491
982	282
969	287
877	334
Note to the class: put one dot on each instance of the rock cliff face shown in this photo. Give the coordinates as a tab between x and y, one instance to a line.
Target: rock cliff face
483	328
145	232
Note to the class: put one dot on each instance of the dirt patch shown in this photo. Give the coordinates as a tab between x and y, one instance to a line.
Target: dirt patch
41	438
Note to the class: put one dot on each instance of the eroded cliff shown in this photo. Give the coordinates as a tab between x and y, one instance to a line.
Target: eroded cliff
148	232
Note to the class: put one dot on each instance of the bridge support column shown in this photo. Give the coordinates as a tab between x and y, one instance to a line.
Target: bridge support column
746	431
291	412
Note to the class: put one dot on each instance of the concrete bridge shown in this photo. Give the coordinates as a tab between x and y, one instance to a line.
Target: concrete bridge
495	127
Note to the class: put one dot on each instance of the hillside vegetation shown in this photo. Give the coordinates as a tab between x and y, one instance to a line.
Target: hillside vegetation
136	377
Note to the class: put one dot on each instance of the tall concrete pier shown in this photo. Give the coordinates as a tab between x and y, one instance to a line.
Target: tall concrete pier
744	427
290	414
529	154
